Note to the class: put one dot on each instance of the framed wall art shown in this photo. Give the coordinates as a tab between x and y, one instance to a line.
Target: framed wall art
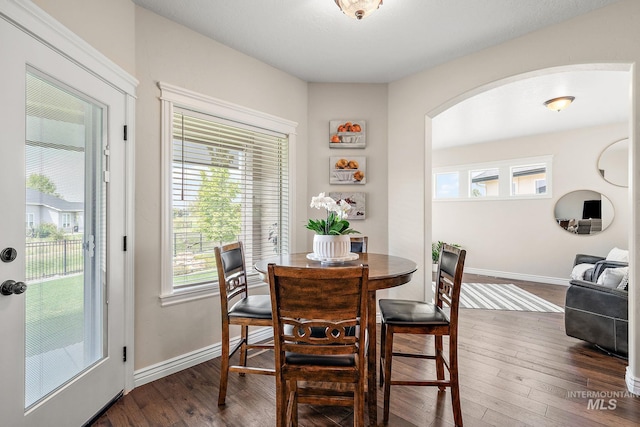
347	134
355	199
347	170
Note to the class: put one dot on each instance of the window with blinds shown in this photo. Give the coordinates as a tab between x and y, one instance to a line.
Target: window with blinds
229	183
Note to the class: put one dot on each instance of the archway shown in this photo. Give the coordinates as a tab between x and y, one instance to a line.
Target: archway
430	122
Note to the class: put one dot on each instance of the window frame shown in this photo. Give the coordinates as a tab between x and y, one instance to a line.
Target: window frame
175	97
505	179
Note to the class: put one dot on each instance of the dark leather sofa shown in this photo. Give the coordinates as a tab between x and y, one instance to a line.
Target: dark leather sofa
595	313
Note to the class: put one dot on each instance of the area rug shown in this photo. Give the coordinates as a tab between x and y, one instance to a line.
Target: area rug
493	296
503	297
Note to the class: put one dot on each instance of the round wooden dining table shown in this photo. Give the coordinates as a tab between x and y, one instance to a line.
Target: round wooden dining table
385	271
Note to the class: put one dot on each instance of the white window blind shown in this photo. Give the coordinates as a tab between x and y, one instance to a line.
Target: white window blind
229	183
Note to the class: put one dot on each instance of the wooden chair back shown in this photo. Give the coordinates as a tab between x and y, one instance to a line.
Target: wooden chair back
319	319
449	279
232	273
359	244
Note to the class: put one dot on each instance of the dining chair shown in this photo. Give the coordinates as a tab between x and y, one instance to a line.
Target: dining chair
427	318
315	311
238	308
359	244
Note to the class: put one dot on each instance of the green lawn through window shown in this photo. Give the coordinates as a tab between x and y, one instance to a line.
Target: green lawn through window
54	314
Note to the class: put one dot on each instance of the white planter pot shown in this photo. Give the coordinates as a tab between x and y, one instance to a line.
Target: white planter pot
328	246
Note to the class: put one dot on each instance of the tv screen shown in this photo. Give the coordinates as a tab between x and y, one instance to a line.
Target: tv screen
592	209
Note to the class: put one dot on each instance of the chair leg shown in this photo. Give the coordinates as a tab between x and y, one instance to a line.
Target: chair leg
244	336
358	404
383	331
292	404
224	366
439	360
388	354
455	384
282	392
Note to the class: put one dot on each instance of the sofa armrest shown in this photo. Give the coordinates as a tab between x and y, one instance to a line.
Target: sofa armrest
604	264
594	298
587	259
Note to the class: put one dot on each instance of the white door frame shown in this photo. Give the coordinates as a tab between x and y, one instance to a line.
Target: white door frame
40	25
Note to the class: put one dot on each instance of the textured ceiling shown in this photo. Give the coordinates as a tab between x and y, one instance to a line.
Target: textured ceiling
313	40
516	109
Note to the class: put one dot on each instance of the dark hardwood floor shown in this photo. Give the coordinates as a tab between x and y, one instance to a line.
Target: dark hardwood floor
516	369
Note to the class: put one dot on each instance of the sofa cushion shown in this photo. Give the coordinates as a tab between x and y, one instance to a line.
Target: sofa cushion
617	254
612	277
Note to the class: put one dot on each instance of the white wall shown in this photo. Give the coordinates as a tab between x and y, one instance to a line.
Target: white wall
171	53
106	25
350	102
607	35
520	238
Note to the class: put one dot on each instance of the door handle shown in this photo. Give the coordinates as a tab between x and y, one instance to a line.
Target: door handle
9	287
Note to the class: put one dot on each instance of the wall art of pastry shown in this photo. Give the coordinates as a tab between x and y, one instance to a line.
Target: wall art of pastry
347	170
355	200
347	134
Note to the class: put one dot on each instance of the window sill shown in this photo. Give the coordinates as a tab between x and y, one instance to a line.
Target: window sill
198	292
492	198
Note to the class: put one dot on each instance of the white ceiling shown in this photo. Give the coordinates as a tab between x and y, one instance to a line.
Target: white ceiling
313	40
516	109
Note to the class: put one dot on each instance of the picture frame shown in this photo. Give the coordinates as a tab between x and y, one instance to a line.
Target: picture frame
356	200
347	133
347	170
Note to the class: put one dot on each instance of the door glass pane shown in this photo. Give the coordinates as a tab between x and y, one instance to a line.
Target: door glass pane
64	232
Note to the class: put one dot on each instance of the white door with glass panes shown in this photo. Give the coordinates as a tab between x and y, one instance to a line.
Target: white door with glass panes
62	192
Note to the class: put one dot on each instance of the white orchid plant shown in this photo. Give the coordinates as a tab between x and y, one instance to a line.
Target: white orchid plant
336	222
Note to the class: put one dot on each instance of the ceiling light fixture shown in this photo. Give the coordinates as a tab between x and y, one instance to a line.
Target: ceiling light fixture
358	9
559	104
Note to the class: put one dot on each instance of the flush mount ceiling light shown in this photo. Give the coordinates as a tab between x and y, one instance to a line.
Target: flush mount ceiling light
358	9
559	104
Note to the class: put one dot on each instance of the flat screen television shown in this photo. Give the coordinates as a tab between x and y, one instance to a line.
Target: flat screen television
592	209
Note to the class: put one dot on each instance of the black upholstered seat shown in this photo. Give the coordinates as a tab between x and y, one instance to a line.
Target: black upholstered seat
413	312
255	306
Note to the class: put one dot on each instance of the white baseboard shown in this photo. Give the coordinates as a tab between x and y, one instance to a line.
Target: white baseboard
633	383
187	360
519	276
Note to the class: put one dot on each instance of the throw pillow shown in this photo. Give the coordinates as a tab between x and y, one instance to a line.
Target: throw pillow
612	277
579	270
624	282
617	254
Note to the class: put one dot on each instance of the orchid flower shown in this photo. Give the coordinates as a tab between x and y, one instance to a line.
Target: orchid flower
337	213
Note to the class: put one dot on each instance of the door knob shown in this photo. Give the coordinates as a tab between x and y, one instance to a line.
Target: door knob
12	287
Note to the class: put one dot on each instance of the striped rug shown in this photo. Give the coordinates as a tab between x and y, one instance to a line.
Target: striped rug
492	296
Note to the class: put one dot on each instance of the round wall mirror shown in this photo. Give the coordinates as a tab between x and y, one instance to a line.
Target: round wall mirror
584	212
613	163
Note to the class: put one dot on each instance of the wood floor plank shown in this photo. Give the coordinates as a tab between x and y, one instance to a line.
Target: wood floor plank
516	369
